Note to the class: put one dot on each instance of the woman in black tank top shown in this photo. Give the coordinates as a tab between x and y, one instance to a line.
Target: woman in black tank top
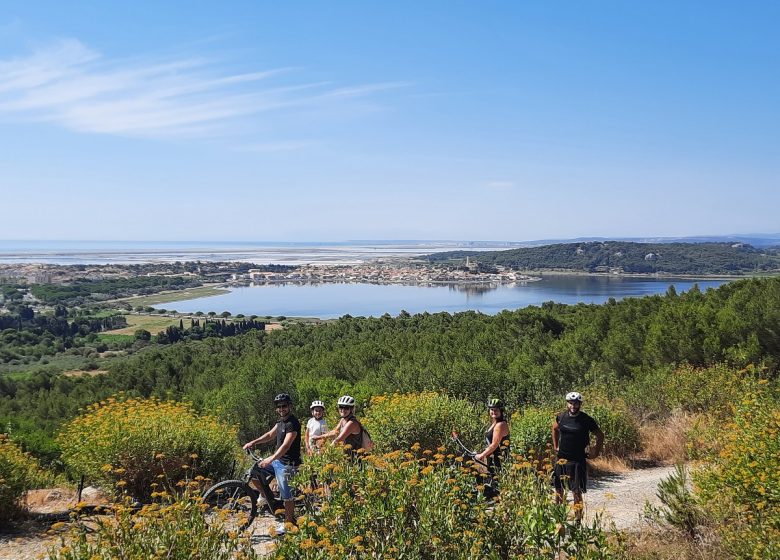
349	430
496	437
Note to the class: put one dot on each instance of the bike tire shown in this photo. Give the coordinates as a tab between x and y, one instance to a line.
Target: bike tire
232	502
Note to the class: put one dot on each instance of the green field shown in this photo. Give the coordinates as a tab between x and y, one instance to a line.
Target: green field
151	323
177	295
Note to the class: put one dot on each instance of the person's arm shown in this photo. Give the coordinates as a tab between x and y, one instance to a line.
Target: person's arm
556	432
599	444
351	427
289	438
333	433
306	439
266	437
500	430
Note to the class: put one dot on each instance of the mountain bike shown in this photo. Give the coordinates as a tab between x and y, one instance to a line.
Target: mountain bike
486	475
237	503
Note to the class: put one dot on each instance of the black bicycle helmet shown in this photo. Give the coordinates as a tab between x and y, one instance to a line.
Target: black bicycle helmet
282	398
495	403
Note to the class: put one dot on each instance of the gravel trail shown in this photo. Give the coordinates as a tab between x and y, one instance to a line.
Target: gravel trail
621	498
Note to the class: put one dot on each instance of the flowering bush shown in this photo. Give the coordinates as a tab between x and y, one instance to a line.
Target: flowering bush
172	528
426	504
399	420
742	486
140	446
18	473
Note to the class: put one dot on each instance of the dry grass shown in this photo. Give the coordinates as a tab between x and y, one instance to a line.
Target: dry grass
606	465
666	441
655	543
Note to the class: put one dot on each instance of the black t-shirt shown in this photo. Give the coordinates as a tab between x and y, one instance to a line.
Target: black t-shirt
574	435
284	427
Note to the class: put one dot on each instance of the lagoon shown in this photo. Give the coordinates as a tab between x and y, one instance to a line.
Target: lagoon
333	300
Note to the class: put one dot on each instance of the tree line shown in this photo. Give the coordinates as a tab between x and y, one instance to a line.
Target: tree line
628	257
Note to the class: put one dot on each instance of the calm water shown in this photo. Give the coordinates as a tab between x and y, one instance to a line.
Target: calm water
328	301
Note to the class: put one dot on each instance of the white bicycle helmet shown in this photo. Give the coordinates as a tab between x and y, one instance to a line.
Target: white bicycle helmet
346	400
315	404
573	396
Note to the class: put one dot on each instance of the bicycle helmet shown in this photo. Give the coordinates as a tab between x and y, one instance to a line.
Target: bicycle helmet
573	396
495	403
282	398
346	400
315	404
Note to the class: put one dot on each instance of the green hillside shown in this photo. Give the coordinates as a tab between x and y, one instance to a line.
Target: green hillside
627	257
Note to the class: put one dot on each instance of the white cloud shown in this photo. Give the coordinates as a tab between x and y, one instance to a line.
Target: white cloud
70	85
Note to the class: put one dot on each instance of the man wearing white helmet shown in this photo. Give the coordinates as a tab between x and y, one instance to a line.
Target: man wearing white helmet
571	436
316	426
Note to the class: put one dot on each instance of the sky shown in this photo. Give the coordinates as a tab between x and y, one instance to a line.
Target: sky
331	121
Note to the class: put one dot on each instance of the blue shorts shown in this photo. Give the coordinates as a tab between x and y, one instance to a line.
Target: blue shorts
283	473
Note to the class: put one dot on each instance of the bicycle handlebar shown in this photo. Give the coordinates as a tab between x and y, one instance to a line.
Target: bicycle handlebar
466	451
254	455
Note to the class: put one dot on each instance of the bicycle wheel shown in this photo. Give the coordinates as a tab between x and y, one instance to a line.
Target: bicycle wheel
232	503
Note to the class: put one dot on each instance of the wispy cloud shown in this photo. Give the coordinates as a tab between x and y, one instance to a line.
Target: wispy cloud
71	85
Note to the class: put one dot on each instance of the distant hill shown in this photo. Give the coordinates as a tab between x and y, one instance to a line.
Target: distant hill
754	239
626	257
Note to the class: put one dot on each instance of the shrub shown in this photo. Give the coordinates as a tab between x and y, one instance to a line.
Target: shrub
133	444
174	529
400	420
742	485
621	430
19	472
679	507
532	430
398	506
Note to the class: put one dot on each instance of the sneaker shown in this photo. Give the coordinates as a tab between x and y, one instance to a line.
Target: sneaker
280	529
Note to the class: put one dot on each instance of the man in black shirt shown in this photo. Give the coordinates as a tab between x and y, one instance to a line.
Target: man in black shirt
287	457
571	435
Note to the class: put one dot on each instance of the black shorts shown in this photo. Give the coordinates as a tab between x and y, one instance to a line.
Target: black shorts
572	475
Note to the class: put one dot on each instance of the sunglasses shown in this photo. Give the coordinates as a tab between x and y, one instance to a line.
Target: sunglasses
278	406
345	408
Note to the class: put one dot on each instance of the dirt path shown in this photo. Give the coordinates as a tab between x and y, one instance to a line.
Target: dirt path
618	498
621	498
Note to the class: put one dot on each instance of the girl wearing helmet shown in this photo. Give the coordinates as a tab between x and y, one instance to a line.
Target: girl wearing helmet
349	430
496	437
316	426
571	435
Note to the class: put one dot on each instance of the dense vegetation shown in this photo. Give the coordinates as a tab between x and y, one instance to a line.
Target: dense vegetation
639	258
528	356
26	336
712	356
82	290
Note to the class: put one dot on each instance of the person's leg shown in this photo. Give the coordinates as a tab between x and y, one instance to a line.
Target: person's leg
558	483
283	473
578	505
254	482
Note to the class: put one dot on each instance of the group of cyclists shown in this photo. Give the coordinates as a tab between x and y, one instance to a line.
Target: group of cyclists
571	435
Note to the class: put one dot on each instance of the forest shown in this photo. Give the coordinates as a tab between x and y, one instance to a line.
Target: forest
527	356
627	257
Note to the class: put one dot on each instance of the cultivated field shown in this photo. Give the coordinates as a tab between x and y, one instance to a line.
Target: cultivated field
175	295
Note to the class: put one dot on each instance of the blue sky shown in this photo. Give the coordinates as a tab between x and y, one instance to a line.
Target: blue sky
312	121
